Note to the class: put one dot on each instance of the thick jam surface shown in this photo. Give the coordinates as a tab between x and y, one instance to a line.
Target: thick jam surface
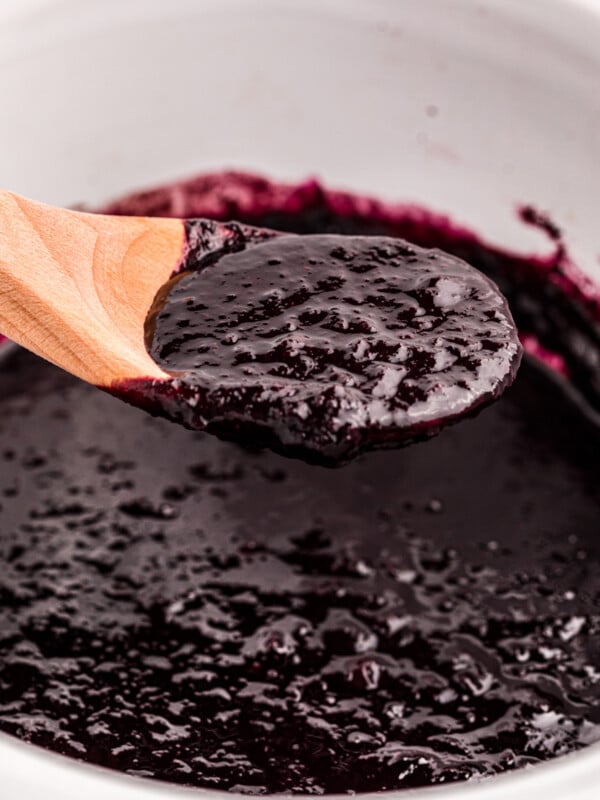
177	607
324	346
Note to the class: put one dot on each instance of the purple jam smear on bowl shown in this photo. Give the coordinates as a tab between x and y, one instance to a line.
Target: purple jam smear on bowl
180	608
324	346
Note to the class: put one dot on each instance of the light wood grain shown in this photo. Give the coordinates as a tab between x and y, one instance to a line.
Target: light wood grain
75	288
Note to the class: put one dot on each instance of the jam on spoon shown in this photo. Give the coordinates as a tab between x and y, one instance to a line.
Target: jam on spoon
317	347
323	346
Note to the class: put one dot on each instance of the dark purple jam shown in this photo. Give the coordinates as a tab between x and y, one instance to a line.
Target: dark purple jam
324	346
177	607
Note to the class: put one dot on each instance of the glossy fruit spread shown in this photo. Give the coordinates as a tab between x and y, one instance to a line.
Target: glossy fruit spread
324	346
178	607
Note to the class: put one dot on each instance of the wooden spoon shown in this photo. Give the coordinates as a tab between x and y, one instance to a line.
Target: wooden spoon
76	288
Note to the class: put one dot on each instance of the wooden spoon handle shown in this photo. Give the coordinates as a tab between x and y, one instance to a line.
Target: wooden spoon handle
75	288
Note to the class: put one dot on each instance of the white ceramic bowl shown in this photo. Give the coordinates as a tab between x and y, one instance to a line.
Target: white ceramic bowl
99	97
